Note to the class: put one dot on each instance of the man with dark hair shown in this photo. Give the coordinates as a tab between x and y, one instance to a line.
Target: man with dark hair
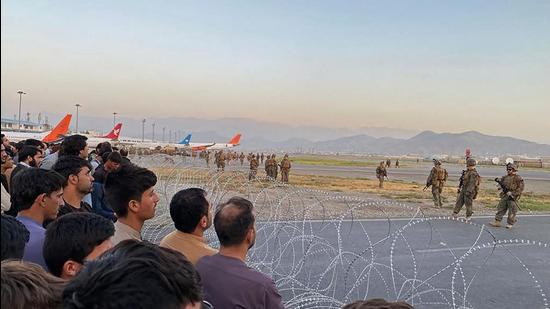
377	303
50	159
37	194
130	192
78	183
28	286
29	156
124	153
192	216
228	281
112	162
136	275
14	238
74	145
73	239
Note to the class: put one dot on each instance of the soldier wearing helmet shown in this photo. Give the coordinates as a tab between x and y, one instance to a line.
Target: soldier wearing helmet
467	189
436	179
381	173
511	187
285	168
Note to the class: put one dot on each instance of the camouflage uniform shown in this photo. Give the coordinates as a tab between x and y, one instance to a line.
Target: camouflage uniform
511	188
267	165
285	168
275	167
241	157
221	161
262	157
207	158
381	173
253	168
437	179
468	188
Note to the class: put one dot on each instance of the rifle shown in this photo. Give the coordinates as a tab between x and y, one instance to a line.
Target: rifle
461	180
504	189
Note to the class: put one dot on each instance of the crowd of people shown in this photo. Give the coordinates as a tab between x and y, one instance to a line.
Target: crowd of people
71	237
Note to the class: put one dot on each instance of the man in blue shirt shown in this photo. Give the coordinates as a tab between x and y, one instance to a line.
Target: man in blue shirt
38	195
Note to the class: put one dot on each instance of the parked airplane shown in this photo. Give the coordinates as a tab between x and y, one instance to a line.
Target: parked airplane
112	136
56	133
235	141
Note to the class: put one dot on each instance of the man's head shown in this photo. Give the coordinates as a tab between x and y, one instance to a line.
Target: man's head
36	143
4	155
27	285
130	191
470	162
38	190
234	223
5	140
436	162
76	172
75	238
136	275
31	155
111	161
14	238
74	145
191	210
511	168
124	152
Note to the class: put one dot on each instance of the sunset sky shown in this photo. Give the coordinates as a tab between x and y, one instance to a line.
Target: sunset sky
447	66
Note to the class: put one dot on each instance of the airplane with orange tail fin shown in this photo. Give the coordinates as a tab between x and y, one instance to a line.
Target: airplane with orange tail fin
235	141
58	132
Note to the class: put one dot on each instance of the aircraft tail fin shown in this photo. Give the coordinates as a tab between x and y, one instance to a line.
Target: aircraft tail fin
115	133
235	140
59	130
186	140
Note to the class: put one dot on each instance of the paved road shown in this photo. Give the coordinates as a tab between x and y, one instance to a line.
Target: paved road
512	274
535	180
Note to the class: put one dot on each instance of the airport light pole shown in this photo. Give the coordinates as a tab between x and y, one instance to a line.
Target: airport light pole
21	93
143	130
114	118
77	106
163	131
153	125
170	136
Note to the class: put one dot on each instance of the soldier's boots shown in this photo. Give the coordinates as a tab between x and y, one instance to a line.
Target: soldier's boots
495	223
468	218
509	226
454	215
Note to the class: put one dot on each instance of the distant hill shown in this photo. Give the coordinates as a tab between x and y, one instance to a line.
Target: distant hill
274	136
428	142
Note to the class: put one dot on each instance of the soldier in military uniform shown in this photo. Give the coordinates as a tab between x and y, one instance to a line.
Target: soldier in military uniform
397	163
241	157
262	157
467	189
274	166
207	158
388	163
267	165
285	168
221	161
381	173
253	168
437	179
511	187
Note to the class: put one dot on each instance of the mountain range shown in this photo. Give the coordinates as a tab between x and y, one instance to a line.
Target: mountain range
368	140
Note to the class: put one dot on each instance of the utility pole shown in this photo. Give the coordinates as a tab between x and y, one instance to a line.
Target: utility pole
143	130
114	118
153	139
77	106
163	131
21	93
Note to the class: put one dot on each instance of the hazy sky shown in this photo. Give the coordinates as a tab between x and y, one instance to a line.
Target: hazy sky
439	65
